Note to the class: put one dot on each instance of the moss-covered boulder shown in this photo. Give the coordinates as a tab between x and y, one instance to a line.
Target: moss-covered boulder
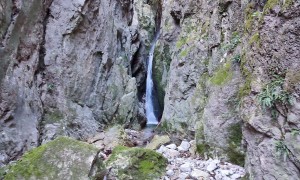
135	163
158	141
63	158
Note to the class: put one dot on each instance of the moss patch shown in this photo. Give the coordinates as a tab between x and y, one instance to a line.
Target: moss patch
235	156
184	53
270	5
53	116
164	127
202	149
181	42
235	134
161	64
234	153
136	163
287	4
43	162
223	75
249	19
255	39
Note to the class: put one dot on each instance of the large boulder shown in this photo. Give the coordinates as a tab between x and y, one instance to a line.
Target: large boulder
135	163
63	158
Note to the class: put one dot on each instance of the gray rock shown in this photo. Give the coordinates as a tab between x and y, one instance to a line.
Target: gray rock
184	146
162	149
235	176
212	166
171	153
170	172
186	167
171	146
183	176
198	174
225	172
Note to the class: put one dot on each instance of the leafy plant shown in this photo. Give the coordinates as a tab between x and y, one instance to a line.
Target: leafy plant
282	149
233	43
274	93
236	58
295	132
50	87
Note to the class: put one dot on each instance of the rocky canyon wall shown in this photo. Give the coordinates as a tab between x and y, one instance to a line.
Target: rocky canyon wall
71	68
229	71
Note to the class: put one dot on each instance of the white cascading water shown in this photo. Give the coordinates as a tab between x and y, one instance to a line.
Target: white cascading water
151	118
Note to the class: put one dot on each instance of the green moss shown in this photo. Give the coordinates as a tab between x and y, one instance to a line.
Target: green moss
234	153
146	166
235	156
235	134
184	53
38	162
137	163
223	75
270	5
28	166
181	42
249	19
204	30
245	89
116	151
202	149
287	4
161	63
255	39
164	126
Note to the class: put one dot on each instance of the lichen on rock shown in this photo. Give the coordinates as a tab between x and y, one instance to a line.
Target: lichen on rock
63	158
135	163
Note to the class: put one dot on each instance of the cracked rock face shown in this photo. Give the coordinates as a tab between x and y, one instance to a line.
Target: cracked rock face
220	55
70	68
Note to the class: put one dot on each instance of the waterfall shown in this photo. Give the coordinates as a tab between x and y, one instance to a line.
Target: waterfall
151	118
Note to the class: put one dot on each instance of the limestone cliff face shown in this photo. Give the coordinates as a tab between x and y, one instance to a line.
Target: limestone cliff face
70	68
231	75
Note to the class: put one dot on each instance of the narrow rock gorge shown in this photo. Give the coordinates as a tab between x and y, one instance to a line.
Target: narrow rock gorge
226	79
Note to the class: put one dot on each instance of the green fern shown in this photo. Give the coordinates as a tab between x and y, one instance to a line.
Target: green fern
274	93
